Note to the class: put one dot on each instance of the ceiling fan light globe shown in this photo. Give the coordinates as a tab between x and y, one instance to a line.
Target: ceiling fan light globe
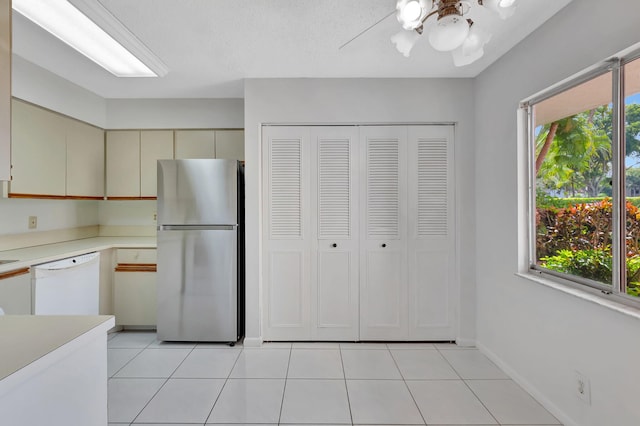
475	41
404	41
472	48
504	8
410	12
449	33
461	60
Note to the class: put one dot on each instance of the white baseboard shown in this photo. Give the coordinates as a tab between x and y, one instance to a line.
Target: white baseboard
252	342
466	343
527	386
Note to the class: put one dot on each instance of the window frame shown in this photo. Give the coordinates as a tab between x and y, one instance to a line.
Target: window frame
617	290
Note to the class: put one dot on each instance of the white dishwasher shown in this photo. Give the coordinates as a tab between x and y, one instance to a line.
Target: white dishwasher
67	287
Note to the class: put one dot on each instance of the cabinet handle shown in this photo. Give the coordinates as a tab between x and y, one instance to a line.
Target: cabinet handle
384	245
334	245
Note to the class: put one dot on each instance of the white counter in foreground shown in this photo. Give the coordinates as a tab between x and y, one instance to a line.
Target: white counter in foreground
53	370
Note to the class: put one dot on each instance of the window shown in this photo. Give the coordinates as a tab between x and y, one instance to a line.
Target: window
584	164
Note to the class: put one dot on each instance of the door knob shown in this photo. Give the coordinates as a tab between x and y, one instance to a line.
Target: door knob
384	245
334	245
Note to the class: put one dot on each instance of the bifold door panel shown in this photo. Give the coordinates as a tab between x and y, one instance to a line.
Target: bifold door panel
358	233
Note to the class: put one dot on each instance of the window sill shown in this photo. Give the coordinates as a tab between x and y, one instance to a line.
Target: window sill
583	292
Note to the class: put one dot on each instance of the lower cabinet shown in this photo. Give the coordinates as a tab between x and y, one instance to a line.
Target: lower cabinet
15	292
134	287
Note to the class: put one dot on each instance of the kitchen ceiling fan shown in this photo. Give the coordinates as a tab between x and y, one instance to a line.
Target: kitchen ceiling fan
449	31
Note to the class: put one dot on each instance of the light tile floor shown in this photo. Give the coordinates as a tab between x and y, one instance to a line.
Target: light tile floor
156	383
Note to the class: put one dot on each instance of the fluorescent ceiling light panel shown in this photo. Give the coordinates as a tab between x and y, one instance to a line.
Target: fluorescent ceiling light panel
63	20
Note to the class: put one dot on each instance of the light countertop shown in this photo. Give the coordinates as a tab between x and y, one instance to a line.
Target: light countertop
25	339
35	255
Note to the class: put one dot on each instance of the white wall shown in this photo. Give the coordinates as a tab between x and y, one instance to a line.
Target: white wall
52	214
538	334
174	113
360	101
127	213
42	87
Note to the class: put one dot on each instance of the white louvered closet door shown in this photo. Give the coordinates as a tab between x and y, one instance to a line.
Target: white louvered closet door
431	242
287	234
334	258
383	247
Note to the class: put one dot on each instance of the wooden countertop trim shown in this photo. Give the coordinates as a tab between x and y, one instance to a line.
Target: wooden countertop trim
14	273
55	197
45	196
136	267
131	198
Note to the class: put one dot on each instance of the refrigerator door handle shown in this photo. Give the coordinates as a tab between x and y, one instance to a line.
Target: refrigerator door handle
197	227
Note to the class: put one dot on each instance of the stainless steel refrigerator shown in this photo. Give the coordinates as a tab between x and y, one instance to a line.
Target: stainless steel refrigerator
199	284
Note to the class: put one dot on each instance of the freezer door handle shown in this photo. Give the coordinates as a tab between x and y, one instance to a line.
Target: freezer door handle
197	227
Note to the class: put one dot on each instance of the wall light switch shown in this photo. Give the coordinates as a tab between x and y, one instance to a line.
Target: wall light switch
33	222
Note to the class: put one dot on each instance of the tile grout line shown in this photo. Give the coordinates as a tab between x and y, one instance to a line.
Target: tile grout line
346	387
223	386
469	387
163	384
286	379
407	386
113	376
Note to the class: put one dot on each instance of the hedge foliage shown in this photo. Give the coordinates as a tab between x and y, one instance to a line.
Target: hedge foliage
547	202
576	239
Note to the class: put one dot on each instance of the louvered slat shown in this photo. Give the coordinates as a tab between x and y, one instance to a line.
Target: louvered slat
286	188
432	187
382	188
334	183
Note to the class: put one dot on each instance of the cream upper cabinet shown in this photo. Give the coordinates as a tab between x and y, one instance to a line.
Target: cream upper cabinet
5	90
195	144
230	144
123	163
39	152
85	160
132	157
154	145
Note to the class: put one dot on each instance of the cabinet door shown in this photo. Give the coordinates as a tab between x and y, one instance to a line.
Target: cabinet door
334	213
230	144
15	292
39	151
123	164
154	145
431	242
134	298
195	144
383	251
287	241
5	90
85	160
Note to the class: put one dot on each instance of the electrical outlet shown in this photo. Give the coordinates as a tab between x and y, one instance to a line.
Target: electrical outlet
33	222
583	387
155	216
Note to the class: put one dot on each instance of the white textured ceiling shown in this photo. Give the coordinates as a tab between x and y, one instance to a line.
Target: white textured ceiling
210	46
